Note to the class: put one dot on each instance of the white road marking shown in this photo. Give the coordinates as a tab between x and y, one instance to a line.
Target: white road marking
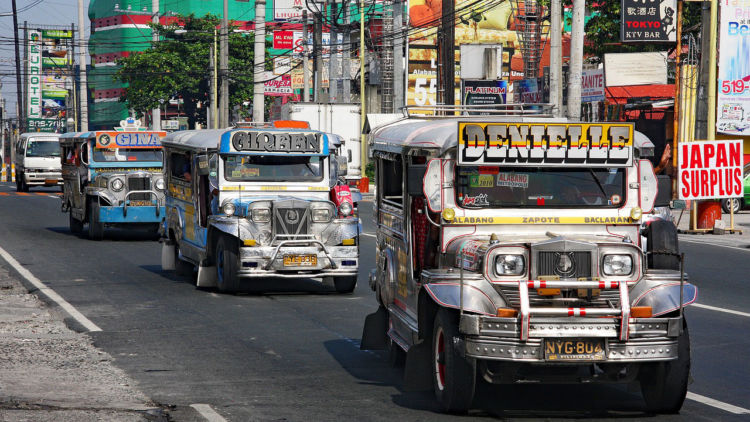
207	412
368	234
73	312
714	244
714	308
717	404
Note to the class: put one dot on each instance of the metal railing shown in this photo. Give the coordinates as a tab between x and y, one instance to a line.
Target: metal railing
442	111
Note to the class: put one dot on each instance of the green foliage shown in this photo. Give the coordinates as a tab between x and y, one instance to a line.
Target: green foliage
178	66
370	170
603	30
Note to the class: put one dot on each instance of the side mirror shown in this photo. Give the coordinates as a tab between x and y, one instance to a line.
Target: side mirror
203	168
414	179
433	185
648	185
664	196
342	164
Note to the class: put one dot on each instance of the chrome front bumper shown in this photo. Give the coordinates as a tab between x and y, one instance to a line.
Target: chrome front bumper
268	261
492	338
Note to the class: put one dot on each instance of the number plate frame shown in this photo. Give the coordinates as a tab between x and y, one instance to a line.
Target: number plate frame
303	260
575	350
140	203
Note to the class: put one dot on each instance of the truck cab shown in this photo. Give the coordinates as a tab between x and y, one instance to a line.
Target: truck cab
259	202
112	179
37	160
515	249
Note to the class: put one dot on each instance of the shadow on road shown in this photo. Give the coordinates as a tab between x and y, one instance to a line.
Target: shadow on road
112	234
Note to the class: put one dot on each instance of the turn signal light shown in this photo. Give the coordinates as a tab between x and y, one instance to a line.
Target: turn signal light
348	242
547	292
506	312
449	214
249	242
641	312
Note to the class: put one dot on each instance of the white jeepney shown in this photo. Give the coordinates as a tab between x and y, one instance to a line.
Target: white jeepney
517	249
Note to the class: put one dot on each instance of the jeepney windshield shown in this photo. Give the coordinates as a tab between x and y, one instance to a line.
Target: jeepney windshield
126	154
495	187
273	168
42	148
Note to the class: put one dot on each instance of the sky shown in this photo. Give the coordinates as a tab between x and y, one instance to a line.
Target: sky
47	12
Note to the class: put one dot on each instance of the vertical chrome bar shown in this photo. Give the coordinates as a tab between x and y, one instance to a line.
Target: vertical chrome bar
461	281
682	283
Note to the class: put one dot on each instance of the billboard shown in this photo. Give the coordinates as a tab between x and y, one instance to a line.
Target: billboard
653	21
733	93
288	9
592	85
710	170
49	54
623	69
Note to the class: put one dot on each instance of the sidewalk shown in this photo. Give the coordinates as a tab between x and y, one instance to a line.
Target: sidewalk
50	373
741	222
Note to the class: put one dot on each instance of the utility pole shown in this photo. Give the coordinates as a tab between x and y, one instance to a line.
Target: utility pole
223	64
305	69
260	59
576	61
362	108
398	55
155	113
714	31
213	121
317	55
446	54
346	95
555	58
333	57
19	91
83	85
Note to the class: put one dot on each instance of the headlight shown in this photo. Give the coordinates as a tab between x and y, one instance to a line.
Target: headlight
321	215
617	265
261	215
345	208
117	185
509	265
160	184
228	208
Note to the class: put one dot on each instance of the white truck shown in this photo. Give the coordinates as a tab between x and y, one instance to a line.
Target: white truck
341	119
37	161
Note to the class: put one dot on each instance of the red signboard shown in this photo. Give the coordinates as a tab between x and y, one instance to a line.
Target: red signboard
283	40
710	170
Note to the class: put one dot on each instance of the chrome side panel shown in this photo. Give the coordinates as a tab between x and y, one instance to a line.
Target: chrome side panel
660	289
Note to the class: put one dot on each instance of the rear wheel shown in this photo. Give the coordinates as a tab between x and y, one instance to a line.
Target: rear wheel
345	284
454	377
736	203
96	228
21	185
76	225
181	268
227	265
664	384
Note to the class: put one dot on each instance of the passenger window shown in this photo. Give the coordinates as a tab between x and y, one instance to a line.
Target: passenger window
179	166
391	180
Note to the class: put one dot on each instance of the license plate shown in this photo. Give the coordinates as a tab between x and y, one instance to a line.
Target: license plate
300	260
574	350
140	203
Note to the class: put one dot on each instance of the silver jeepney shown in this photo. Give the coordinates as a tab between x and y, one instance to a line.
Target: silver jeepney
509	247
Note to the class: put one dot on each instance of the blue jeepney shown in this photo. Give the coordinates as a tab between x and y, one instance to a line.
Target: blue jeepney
262	202
112	178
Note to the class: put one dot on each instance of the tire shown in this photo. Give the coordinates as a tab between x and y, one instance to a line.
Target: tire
227	265
453	377
96	229
182	268
22	186
664	385
76	225
396	355
661	237
345	284
736	203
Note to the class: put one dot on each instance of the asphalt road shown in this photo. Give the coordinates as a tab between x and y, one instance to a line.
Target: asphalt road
294	354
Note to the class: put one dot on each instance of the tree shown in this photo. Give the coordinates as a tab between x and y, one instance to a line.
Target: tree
603	29
177	66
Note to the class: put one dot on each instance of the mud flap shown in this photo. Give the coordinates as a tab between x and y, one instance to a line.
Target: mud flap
375	331
206	276
417	376
167	257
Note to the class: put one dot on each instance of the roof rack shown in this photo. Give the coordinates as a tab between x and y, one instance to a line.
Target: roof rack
438	111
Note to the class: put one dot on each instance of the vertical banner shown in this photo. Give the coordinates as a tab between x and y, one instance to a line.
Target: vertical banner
733	99
710	169
648	21
35	75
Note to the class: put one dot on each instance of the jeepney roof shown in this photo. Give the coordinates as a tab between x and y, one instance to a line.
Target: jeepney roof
437	134
69	137
212	139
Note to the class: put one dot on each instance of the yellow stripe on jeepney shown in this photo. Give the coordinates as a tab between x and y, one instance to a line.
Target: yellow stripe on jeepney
272	188
542	220
579	134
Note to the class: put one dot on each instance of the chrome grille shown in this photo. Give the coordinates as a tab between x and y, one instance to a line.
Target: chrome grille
581	262
139	183
607	298
291	221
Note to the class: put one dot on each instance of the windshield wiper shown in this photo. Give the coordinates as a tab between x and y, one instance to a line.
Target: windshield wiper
598	183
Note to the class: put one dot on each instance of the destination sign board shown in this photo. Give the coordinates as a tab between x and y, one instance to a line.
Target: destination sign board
277	142
129	139
534	144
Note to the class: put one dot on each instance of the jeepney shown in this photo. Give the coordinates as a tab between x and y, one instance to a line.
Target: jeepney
262	202
511	248
112	179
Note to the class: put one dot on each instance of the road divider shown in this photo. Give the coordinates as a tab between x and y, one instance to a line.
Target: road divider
47	291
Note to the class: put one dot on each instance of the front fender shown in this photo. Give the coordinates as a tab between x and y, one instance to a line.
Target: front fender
665	298
474	299
103	194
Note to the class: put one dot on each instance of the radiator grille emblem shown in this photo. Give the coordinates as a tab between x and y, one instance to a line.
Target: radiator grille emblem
565	265
292	216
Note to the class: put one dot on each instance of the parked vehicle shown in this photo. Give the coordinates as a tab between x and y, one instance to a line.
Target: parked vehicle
744	200
260	202
37	161
112	178
509	250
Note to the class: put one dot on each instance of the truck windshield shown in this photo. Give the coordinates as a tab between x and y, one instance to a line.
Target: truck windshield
495	187
273	168
43	149
126	154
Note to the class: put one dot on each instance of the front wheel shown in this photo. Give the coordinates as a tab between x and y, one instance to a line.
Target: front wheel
96	228
728	204
453	376
664	385
345	284
227	265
